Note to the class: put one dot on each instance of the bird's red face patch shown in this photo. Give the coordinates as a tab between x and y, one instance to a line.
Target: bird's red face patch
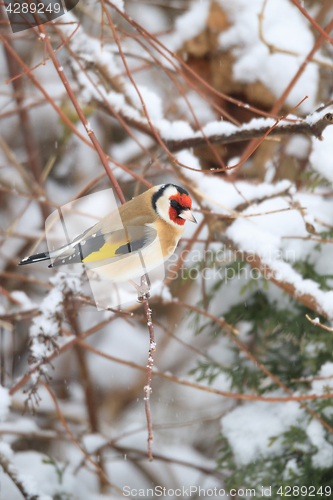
185	202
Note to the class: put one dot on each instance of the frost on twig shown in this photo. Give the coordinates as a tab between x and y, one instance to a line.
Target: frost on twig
152	348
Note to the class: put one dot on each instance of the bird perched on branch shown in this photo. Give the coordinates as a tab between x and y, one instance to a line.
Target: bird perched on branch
146	234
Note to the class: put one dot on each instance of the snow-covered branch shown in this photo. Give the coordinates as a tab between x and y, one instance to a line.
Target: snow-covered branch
227	133
22	483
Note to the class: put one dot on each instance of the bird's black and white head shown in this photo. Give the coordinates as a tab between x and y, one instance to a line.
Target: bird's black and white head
173	204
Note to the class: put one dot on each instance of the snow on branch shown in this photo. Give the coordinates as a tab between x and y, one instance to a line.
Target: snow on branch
262	249
26	485
45	331
227	133
115	95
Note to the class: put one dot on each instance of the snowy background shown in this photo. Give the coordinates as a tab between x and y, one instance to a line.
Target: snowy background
173	91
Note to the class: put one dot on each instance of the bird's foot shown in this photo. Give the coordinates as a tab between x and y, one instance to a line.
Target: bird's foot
142	290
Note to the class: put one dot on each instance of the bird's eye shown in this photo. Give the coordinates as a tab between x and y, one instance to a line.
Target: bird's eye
174	204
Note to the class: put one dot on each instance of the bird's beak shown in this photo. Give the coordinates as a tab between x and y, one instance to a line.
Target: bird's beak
187	215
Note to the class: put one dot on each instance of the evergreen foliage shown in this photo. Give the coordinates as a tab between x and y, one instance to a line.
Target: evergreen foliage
293	349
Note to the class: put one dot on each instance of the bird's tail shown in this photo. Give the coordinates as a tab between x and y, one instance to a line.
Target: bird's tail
35	258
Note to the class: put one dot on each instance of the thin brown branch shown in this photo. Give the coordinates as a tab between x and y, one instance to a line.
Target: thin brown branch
324	33
83	119
152	348
63	116
316	322
179	88
143	104
138	454
307	238
246	216
19	316
233	395
31	144
9	296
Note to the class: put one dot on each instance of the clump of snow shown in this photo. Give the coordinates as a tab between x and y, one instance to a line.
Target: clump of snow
180	130
266	244
324	457
321	157
221	195
149	16
298	146
203	111
283	27
45	329
249	428
22	424
40	478
4	402
152	101
189	160
326	372
127	150
262	236
291	467
66	283
188	25
119	4
6	450
92	442
46	323
166	294
25	302
176	130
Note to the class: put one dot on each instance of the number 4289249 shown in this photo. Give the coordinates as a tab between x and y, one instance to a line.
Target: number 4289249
304	491
33	8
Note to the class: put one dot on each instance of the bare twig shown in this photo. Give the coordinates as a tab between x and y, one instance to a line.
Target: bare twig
233	395
316	322
152	348
83	119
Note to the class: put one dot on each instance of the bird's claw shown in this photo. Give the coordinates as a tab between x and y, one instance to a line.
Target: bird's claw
142	290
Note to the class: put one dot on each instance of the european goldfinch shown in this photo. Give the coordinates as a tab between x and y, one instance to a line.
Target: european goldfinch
145	235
